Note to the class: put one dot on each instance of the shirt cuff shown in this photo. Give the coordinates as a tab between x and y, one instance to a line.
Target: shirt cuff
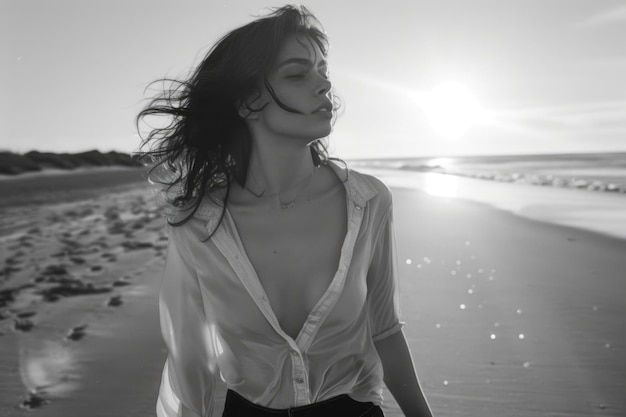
395	328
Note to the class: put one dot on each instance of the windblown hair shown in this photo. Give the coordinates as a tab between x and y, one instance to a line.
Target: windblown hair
206	144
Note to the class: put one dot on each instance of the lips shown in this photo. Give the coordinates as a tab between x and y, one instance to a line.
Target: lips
325	107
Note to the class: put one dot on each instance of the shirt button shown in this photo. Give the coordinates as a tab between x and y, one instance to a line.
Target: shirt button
300	380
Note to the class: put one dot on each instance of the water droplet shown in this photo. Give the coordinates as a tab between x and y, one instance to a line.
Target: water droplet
493	271
467	243
490	278
493	336
521	336
19	58
419	265
519	311
480	271
458	262
607	345
595	308
462	306
409	262
480	306
526	364
496	324
438	326
445	382
468	276
453	272
473	257
470	291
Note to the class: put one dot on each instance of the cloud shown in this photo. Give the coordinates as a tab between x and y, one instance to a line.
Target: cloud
606	17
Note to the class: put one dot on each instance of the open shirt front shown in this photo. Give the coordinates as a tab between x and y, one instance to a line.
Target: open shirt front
220	329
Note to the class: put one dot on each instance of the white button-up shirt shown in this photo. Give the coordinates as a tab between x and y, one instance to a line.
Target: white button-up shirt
220	329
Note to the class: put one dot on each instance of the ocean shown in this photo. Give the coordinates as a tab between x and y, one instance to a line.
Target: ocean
605	172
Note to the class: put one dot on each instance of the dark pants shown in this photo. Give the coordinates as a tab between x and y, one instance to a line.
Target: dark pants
340	406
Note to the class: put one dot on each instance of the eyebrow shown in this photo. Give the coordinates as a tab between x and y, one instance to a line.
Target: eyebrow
303	61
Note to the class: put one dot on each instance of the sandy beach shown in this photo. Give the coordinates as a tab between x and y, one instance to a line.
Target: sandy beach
507	312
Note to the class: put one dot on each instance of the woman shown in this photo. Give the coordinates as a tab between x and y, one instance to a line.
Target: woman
279	280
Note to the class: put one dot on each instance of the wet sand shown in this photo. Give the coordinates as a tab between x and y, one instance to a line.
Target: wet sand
81	259
505	315
509	316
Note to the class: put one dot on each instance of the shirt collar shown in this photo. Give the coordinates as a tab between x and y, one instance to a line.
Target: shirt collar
358	187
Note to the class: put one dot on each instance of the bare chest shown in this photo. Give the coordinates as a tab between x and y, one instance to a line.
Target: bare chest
295	253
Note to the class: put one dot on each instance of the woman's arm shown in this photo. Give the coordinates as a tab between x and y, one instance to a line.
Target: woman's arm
400	376
190	375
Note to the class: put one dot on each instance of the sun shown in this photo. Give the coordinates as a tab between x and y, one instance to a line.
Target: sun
451	109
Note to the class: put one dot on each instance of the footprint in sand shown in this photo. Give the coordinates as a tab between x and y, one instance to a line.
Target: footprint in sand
55	270
34	231
6	297
23	325
136	245
77	260
110	257
8	270
76	332
115	301
33	401
121	282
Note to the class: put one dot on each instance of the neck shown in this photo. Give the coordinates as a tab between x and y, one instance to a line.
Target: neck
273	170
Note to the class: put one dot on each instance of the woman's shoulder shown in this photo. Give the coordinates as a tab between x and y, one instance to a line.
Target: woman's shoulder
382	191
194	213
368	180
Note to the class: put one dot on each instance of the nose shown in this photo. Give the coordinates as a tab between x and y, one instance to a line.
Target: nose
324	87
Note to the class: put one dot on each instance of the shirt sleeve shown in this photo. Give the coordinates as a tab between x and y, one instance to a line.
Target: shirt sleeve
383	294
189	375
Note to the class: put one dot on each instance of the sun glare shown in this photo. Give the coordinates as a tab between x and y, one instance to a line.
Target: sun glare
451	109
441	185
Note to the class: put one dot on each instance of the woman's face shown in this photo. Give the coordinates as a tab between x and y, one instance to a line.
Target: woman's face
300	81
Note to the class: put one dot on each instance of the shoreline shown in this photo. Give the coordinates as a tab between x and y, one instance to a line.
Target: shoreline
603	213
603	172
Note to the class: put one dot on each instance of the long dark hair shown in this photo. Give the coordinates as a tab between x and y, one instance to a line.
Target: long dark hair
206	144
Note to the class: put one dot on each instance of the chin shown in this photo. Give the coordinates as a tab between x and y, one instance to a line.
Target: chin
324	132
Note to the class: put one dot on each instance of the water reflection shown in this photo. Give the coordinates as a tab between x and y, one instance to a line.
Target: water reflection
441	185
47	366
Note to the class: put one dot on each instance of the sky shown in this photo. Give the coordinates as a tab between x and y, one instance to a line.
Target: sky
417	77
